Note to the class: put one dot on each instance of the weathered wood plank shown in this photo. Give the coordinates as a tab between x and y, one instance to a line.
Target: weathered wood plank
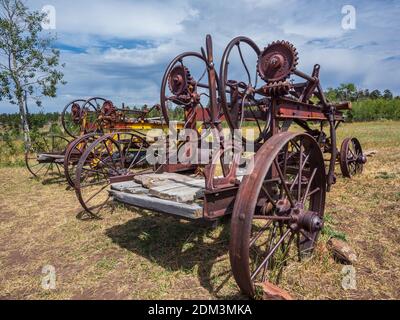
155	180
49	157
129	187
189	211
179	192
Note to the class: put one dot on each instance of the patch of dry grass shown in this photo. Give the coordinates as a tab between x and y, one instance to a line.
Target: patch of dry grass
135	254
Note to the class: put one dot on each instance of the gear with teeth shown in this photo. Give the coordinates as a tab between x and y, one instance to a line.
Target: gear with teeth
277	62
280	88
180	80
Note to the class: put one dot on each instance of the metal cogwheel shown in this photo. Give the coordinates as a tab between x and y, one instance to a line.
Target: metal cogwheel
279	88
277	62
179	80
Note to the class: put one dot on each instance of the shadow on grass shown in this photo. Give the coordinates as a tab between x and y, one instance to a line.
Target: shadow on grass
181	245
51	178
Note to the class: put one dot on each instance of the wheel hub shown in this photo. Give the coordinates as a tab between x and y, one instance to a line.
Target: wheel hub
306	220
362	159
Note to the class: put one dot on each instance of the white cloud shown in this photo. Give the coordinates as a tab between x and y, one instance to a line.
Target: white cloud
123	18
129	43
140	56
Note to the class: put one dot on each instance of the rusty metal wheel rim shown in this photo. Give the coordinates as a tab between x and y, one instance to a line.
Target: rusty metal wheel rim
351	158
74	151
108	156
89	114
234	114
41	170
167	85
64	118
291	220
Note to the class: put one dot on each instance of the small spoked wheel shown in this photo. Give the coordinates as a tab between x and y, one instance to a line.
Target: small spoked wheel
45	156
352	159
279	210
110	156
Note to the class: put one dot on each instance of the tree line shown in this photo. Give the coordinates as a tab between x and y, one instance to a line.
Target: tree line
367	105
349	92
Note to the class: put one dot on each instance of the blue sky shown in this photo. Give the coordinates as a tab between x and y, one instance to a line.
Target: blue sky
119	48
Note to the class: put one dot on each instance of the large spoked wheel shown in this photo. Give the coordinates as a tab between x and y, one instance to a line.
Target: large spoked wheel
239	82
352	159
45	156
111	156
182	89
71	117
279	210
74	152
90	113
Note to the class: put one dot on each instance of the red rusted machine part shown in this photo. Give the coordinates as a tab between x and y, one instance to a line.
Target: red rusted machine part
288	167
45	156
280	205
277	62
181	88
71	117
90	113
352	159
73	153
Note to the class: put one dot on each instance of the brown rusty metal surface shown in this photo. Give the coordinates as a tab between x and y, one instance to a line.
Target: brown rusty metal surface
219	203
248	198
272	105
277	62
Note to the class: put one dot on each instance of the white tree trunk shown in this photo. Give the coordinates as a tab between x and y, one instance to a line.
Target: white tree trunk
24	123
21	105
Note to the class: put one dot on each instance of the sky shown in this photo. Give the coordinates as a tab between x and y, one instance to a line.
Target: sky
120	49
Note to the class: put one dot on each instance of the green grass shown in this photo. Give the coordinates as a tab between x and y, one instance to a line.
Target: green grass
136	254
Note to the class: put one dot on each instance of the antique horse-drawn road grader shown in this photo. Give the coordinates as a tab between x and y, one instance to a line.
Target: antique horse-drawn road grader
115	143
277	207
85	121
46	153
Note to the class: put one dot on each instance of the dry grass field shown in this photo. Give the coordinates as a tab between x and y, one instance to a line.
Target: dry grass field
134	254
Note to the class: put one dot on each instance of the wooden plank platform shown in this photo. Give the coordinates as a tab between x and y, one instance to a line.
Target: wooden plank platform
179	192
156	180
168	193
45	157
187	211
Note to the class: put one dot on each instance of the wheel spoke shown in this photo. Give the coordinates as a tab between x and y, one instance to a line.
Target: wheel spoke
309	186
270	199
288	193
270	254
244	63
94	195
283	260
297	176
259	234
300	172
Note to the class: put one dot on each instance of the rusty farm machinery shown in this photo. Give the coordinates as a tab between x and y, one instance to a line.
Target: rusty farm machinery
84	121
277	203
274	193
